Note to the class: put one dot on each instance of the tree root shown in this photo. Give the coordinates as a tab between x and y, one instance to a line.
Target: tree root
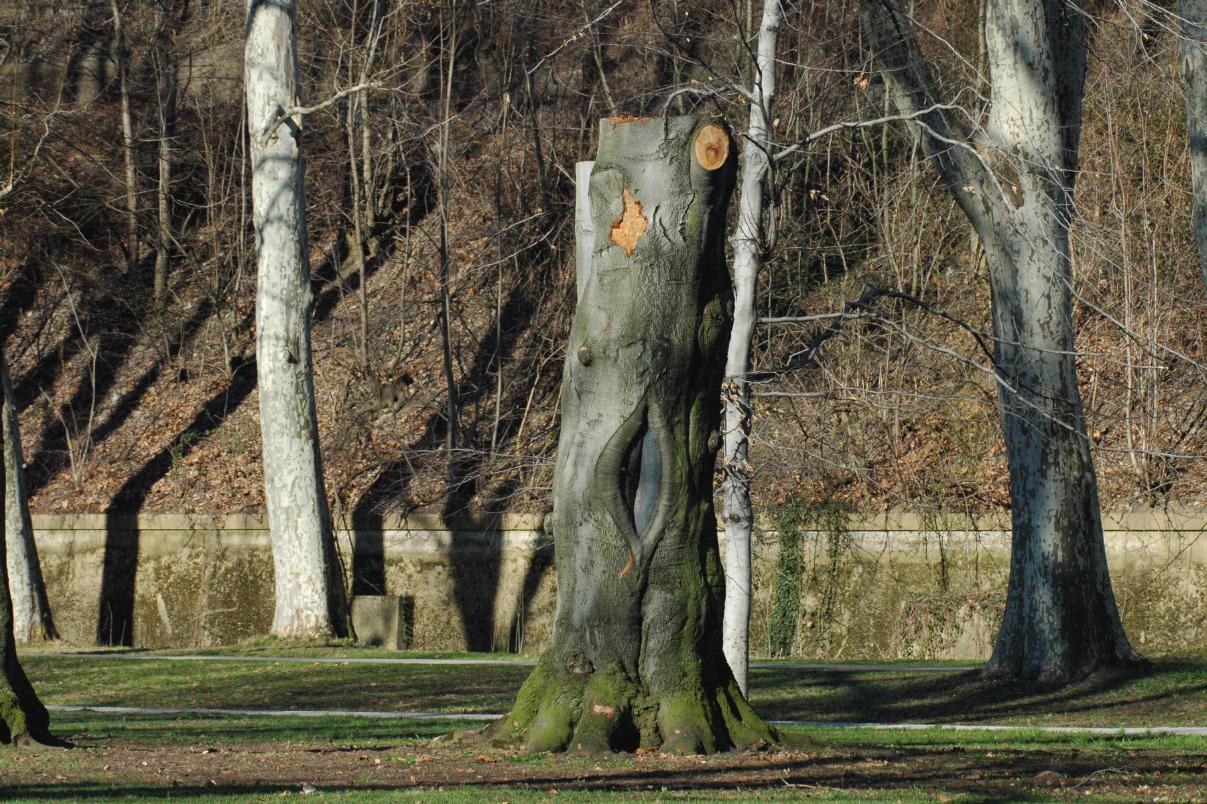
608	712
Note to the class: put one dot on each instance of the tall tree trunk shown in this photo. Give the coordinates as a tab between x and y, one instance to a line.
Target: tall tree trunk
747	259
121	54
31	610
1194	68
22	715
636	658
309	590
165	87
1061	621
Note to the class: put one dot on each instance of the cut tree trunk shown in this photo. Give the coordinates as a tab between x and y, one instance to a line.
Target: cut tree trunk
22	715
1194	68
31	611
309	589
1014	180
636	658
748	248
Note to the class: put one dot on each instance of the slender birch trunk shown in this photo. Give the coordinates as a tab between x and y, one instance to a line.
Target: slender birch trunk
121	54
22	715
1194	69
309	591
747	260
31	610
635	660
1015	183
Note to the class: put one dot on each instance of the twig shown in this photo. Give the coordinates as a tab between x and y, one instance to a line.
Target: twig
285	114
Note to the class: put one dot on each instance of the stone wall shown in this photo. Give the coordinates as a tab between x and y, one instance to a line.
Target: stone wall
891	586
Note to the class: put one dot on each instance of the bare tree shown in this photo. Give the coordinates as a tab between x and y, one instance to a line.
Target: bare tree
748	246
1194	67
121	52
309	590
31	610
22	715
1014	180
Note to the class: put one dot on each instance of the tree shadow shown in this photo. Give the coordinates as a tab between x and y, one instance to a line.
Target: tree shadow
867	697
119	567
476	563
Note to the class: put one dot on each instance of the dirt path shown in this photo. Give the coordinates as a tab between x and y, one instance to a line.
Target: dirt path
96	767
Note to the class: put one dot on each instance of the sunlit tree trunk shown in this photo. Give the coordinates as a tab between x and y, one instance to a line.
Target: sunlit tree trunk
309	591
636	658
1014	181
748	247
22	715
31	611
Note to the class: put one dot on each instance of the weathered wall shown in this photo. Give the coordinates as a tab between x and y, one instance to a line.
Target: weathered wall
893	586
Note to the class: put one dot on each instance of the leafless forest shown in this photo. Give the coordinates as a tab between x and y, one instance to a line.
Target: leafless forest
440	148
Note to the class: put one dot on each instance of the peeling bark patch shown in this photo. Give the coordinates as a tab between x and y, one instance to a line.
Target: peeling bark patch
712	147
631	225
628	567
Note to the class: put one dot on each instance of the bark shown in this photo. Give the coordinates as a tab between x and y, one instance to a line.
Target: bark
166	90
27	590
1194	68
636	658
747	260
121	54
309	590
22	715
1015	182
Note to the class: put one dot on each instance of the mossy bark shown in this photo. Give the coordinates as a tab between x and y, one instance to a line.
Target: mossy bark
22	715
636	659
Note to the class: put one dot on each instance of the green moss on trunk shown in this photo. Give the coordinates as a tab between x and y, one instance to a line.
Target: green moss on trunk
636	658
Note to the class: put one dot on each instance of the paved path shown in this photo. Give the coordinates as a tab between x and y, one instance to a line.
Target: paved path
816	666
1130	731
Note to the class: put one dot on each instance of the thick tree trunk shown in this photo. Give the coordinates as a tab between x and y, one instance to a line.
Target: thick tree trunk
1061	621
31	611
636	657
747	259
22	715
1194	67
309	591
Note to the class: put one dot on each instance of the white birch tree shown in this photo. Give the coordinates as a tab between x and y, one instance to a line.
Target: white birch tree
308	590
748	245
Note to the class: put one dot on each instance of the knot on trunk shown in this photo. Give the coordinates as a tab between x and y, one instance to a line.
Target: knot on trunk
577	664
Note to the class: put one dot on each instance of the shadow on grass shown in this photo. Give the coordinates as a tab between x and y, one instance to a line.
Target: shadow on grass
868	697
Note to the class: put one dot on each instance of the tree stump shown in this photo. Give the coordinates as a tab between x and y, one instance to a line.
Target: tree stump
636	658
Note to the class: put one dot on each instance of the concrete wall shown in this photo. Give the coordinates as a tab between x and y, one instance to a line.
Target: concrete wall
892	586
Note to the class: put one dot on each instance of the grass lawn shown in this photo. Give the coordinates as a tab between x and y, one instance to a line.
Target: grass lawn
223	758
1175	693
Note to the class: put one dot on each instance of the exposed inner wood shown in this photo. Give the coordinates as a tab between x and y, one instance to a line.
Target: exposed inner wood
631	225
712	147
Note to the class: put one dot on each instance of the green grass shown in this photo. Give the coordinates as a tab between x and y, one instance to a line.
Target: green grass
1175	693
146	756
